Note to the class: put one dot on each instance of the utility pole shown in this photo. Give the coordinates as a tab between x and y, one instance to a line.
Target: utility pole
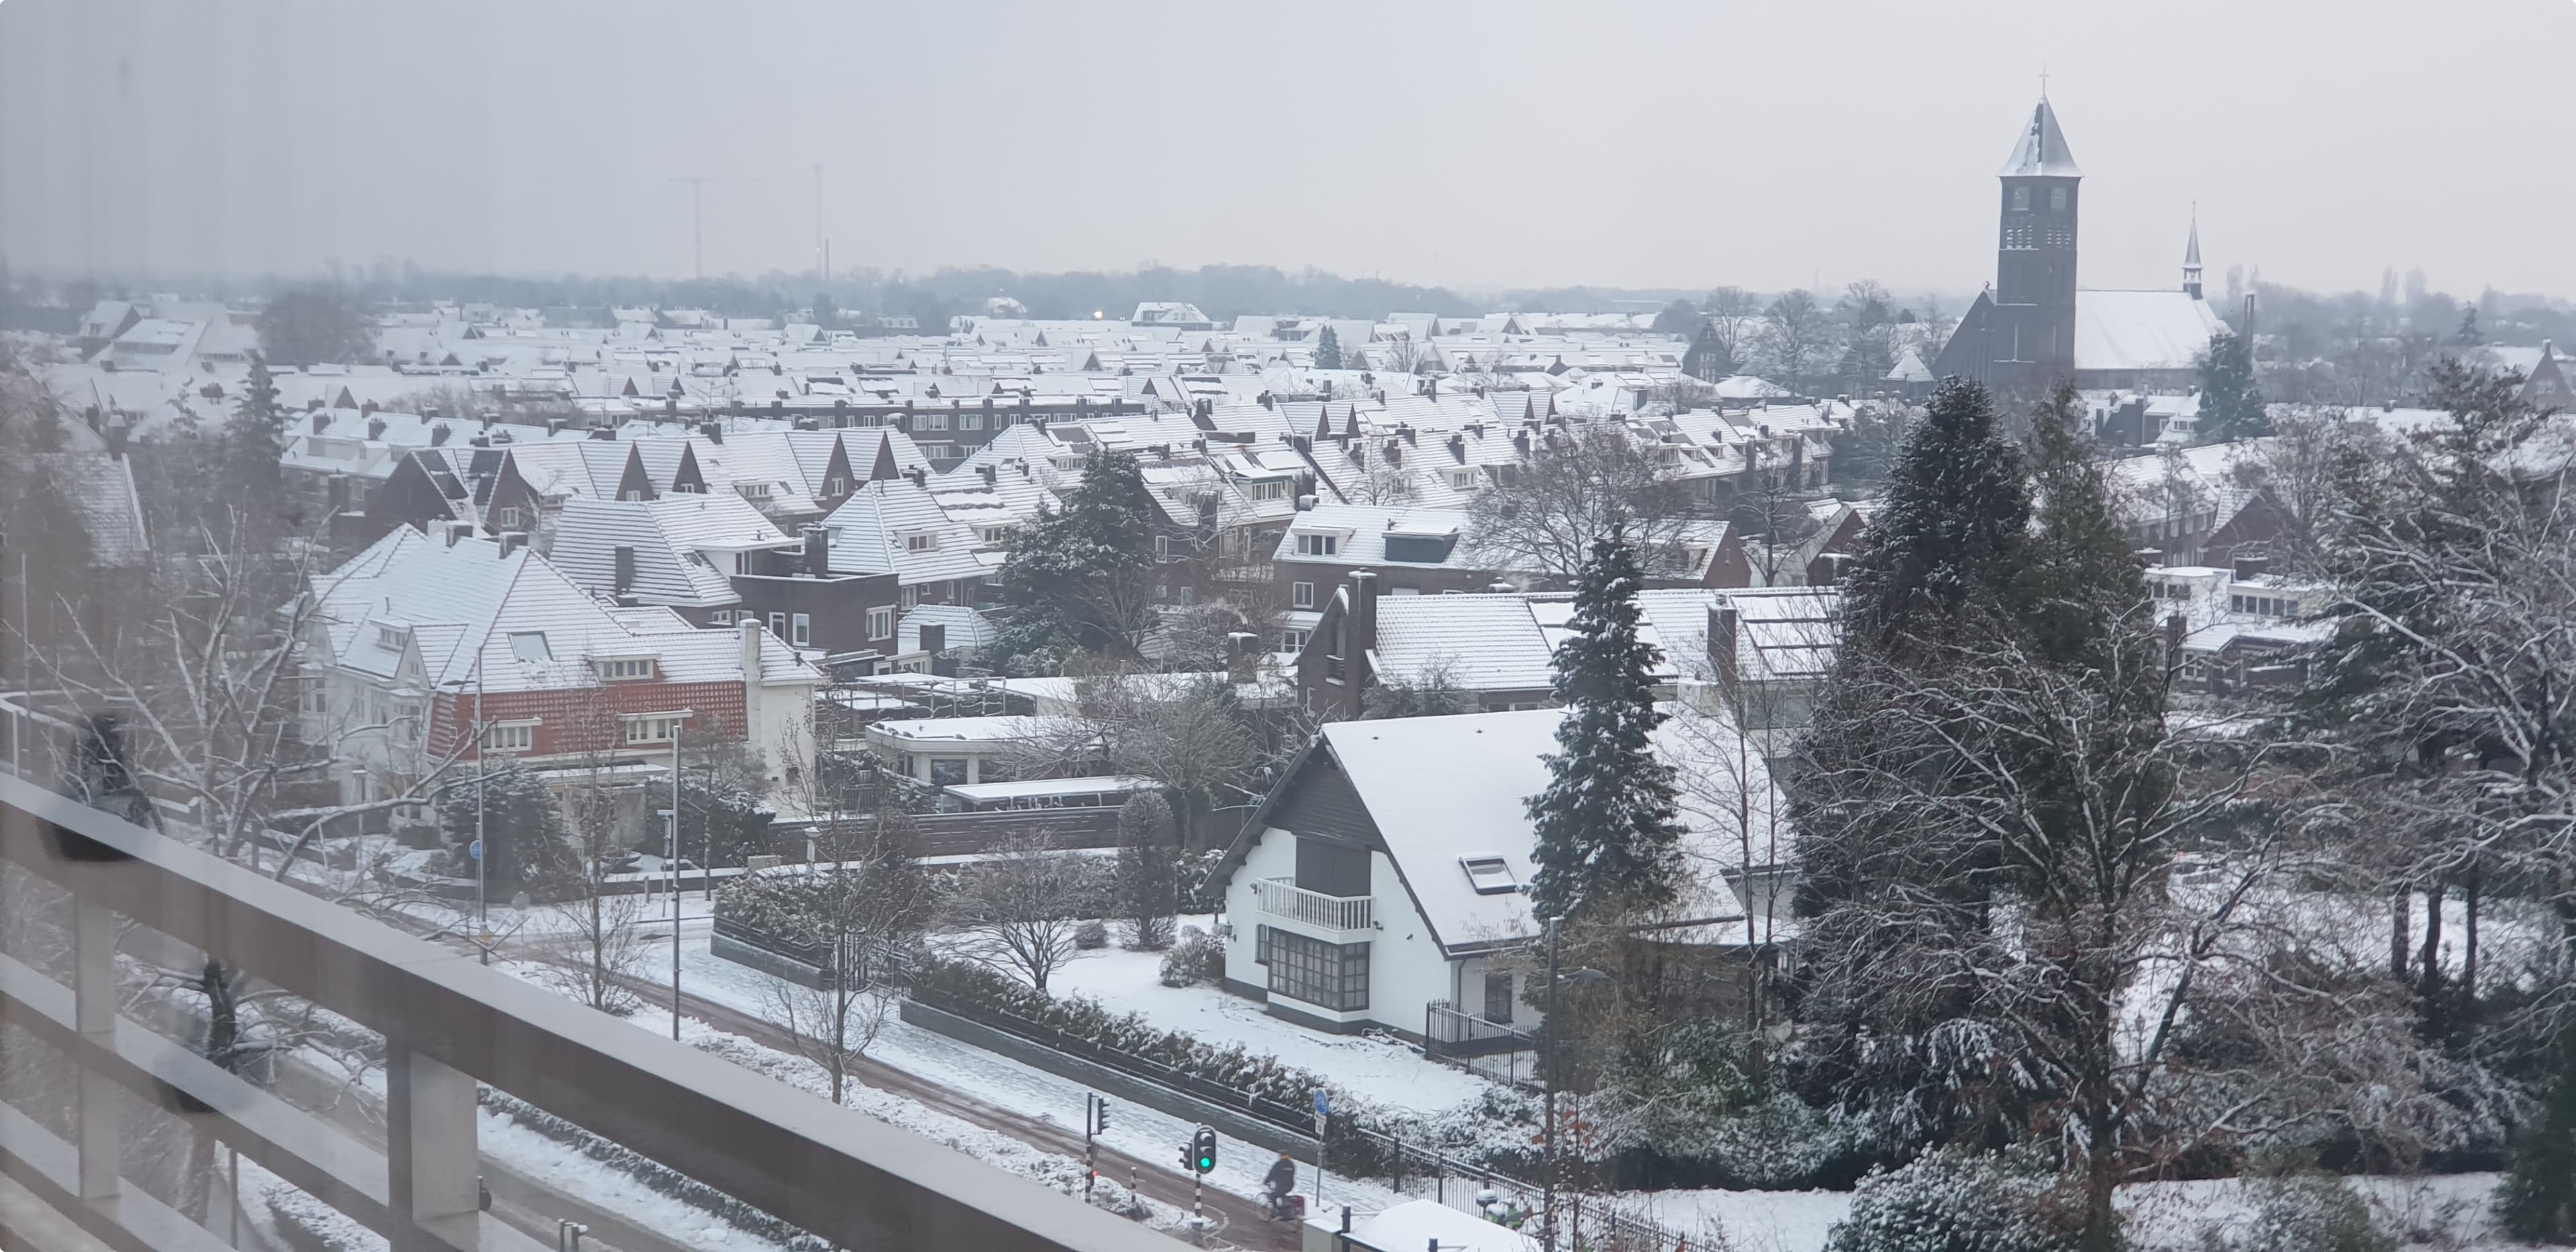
1547	1168
675	877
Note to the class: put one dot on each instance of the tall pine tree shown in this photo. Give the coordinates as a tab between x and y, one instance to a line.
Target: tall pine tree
1608	837
1955	521
1328	350
2231	406
2081	573
1082	578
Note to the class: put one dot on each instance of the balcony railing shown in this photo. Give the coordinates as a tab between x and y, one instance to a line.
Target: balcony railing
1283	898
447	1025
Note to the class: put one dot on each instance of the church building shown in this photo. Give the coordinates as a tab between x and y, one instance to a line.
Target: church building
2034	328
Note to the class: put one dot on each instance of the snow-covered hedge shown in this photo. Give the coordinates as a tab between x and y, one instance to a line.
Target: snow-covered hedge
309	1225
654	1174
1954	1201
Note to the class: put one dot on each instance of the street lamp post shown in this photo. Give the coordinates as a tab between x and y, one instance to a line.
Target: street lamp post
1547	1166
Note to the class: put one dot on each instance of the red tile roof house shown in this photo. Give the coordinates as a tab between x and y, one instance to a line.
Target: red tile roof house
419	638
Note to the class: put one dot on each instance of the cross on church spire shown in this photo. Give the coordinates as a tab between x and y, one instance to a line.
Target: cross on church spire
2043	80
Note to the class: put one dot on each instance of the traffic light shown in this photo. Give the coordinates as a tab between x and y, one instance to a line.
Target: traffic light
1100	1117
1203	1150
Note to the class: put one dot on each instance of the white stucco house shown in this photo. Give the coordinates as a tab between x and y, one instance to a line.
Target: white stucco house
1386	877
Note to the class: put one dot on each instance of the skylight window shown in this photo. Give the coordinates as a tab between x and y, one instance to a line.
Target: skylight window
530	645
1489	875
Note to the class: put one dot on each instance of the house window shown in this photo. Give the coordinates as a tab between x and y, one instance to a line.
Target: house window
994	534
881	623
509	517
1489	875
530	645
721	617
1498	998
911	596
510	737
1318	545
1292	640
626	668
1327	975
970	421
801	629
778	624
1301	595
653	728
631	496
1162	545
1462	480
921	543
834	486
752	491
1261	945
317	697
930	421
742	562
948	771
1268	489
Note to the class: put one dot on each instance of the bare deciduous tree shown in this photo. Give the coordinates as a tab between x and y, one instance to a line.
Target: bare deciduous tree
1020	907
1734	321
1545	517
863	904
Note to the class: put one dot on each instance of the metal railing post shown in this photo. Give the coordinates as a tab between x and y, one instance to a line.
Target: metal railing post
431	1162
94	1016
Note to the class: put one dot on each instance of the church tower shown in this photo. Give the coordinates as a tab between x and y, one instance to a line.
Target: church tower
2034	331
2191	261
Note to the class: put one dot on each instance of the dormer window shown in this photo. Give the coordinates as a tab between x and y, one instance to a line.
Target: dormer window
1462	480
626	668
391	638
1489	875
1318	545
924	542
1270	489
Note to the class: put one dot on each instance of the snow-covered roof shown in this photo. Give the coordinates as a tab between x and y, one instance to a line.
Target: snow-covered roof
2142	330
671	537
1445	790
874	532
2041	149
967	627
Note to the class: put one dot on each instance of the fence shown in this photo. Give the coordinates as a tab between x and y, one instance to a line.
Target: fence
1350	1148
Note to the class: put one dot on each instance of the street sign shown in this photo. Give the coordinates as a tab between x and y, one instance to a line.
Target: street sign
474	850
1323	1103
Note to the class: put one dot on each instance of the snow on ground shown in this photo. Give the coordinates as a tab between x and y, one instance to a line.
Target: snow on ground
1373	1068
565	1168
1006	1084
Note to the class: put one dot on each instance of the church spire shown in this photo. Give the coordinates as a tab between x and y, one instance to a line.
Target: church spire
2041	151
2191	256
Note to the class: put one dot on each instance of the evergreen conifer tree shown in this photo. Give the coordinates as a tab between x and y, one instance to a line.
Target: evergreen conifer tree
1955	522
525	847
2468	335
255	437
1328	350
2231	406
1607	832
2081	573
1083	578
2538	1198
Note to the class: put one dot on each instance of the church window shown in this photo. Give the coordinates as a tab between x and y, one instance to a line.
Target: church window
2057	199
2021	199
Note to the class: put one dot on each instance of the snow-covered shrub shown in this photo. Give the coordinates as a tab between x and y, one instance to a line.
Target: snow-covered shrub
1778	1143
2301	1212
1954	1201
652	1173
1091	935
1196	958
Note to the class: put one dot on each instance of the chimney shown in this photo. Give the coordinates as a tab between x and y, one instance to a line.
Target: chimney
554	425
2249	568
1723	626
818	552
438	435
714	431
1363	613
991	477
751	633
624	579
368	409
455	531
375	428
512	541
321	421
1241	651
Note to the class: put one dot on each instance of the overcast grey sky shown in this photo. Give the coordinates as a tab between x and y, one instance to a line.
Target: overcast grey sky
1480	144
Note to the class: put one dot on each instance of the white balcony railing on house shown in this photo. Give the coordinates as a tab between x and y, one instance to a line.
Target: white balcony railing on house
1283	898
